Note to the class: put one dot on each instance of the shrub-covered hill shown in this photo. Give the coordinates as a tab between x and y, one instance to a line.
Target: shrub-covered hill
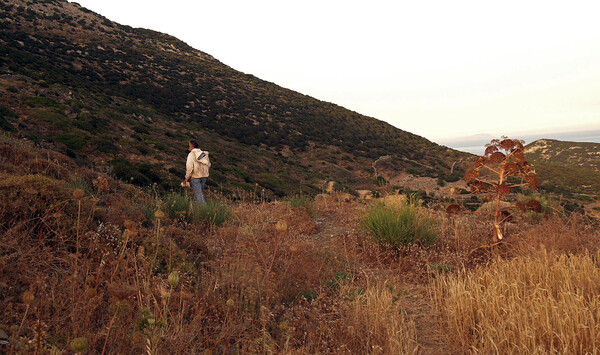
566	167
127	100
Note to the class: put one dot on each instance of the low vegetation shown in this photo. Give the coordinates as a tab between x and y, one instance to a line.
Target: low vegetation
544	303
90	263
568	168
400	225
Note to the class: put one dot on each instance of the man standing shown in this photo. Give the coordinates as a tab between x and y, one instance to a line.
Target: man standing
196	170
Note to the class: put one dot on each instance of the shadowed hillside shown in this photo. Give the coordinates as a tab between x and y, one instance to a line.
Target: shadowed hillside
126	100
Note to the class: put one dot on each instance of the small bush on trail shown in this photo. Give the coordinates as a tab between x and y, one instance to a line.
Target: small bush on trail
399	225
213	213
302	201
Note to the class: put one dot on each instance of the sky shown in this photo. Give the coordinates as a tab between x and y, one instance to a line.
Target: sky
440	69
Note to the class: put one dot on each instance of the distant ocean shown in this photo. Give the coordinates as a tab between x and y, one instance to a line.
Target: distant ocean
478	146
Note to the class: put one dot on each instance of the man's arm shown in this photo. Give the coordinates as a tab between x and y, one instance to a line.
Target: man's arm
189	166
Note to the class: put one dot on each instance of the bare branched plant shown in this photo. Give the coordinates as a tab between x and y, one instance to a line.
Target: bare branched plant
506	169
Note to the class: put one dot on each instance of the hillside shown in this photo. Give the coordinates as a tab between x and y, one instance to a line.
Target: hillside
126	101
566	167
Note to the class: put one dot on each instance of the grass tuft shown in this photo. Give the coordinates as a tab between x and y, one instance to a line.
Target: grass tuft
215	212
399	225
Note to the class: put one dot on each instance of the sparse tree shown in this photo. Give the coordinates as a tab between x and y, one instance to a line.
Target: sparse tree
505	161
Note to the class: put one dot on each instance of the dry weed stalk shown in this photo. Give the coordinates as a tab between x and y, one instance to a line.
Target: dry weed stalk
78	194
504	159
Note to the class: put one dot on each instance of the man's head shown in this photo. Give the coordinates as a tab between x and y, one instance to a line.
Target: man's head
193	144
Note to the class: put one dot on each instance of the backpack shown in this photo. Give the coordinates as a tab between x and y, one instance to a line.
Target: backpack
203	159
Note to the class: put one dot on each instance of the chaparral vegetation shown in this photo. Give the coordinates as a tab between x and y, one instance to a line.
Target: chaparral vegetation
93	264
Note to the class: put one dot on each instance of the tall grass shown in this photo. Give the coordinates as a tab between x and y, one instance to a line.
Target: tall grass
543	304
398	225
378	326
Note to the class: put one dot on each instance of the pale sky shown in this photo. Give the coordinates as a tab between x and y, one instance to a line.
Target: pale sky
439	69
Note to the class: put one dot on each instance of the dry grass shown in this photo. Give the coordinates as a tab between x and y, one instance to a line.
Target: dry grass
546	303
377	324
285	277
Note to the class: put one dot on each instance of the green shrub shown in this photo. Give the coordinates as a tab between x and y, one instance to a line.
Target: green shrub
345	188
302	201
397	226
126	171
272	183
4	124
177	205
182	206
104	144
441	268
74	141
77	182
379	181
549	205
213	213
41	101
148	210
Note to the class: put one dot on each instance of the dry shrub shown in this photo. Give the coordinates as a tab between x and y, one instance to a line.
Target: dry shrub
256	268
564	235
41	205
278	264
116	208
464	233
358	317
15	159
460	244
538	304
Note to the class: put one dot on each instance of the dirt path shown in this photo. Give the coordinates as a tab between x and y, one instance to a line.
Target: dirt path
417	303
420	307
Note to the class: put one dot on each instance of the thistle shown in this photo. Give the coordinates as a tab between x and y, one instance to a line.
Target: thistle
230	303
281	226
79	345
173	278
78	194
28	297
